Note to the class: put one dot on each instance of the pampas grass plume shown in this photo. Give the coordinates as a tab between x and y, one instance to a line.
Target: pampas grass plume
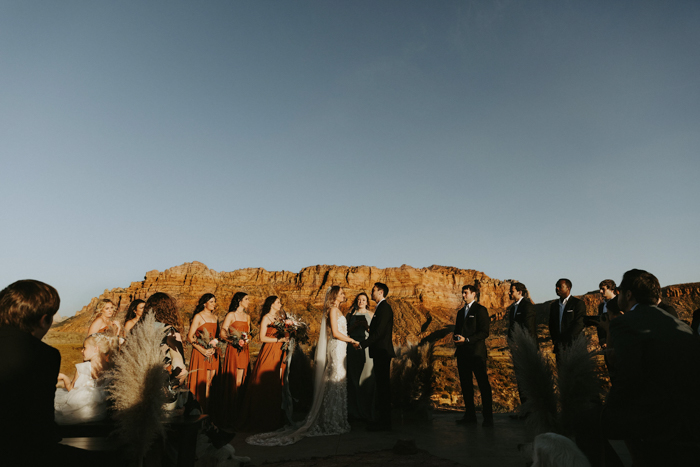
138	388
579	386
535	376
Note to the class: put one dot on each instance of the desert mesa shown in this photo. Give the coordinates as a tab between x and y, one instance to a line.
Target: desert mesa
424	300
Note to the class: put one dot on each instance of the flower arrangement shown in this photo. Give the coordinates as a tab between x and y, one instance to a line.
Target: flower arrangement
292	327
238	339
208	341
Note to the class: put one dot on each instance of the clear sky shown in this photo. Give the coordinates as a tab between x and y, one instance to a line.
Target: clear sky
528	140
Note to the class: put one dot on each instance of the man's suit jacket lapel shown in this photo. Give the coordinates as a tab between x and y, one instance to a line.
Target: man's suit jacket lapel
459	322
567	315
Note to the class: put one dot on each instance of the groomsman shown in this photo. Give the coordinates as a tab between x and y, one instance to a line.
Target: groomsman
608	291
653	400
565	316
471	330
381	350
521	313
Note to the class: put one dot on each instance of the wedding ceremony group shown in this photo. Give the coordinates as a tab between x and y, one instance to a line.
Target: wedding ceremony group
135	374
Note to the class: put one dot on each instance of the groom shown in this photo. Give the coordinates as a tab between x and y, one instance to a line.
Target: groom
381	350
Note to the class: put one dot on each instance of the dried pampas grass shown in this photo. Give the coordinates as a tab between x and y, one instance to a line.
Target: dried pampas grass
579	386
535	376
554	403
412	377
138	388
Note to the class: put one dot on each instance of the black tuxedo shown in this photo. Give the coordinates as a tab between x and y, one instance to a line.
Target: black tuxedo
380	332
28	373
381	350
524	316
653	400
471	358
571	322
670	309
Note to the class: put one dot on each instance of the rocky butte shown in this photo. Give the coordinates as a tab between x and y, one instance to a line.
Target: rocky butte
424	300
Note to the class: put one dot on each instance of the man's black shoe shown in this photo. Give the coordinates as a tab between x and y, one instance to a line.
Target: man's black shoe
488	423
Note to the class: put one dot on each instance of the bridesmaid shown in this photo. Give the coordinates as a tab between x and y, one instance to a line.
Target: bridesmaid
104	319
360	380
133	314
235	366
262	407
204	363
165	311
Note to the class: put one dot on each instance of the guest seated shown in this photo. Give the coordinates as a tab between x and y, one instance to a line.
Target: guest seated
28	372
84	398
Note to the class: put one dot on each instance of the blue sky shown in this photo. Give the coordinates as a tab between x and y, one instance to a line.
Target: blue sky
528	140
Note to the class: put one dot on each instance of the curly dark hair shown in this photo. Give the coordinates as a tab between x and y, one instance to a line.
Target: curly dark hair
164	308
131	311
236	300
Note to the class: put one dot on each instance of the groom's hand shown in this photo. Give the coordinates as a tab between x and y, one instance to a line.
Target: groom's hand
459	340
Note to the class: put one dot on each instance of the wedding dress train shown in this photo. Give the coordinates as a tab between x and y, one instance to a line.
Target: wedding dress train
328	414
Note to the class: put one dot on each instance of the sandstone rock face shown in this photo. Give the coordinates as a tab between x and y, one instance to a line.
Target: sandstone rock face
421	298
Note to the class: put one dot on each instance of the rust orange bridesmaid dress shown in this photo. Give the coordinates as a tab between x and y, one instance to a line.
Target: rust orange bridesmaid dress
262	406
234	360
197	376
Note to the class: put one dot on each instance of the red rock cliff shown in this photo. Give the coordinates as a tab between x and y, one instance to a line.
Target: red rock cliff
417	295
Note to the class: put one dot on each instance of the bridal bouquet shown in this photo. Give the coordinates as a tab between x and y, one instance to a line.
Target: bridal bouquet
208	341
238	339
294	328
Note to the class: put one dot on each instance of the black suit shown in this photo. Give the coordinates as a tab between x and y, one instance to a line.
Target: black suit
571	322
381	349
28	372
524	316
471	358
670	309
654	395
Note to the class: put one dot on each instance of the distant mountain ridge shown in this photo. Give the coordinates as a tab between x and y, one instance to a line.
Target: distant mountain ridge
418	295
424	300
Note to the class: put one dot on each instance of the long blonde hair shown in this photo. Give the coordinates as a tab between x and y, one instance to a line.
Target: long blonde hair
101	306
331	296
107	346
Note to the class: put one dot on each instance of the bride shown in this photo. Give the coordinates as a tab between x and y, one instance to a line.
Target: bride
329	412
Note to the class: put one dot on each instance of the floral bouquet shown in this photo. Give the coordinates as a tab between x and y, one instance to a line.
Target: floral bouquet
294	328
238	339
208	341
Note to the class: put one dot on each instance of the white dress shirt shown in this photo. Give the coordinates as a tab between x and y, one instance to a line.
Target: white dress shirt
562	305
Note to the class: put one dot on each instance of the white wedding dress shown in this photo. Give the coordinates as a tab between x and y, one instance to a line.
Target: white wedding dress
329	409
86	402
